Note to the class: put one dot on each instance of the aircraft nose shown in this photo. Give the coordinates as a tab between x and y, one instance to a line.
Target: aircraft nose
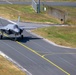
17	30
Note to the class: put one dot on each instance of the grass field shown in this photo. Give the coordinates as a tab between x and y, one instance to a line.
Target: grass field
71	14
26	13
60	35
7	68
65	36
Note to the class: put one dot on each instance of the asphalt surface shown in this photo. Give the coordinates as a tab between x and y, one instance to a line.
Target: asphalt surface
38	56
45	3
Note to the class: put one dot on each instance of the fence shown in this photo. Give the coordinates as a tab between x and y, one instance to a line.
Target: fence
34	5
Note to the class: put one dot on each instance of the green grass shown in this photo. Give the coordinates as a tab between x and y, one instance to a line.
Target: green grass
26	13
60	35
7	68
65	36
70	13
29	15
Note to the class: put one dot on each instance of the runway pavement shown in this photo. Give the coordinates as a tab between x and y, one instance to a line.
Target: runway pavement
29	2
38	56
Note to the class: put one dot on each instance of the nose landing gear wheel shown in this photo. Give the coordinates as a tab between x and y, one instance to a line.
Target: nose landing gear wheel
15	38
1	36
21	36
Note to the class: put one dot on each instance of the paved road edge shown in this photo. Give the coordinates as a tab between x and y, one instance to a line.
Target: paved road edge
14	62
50	42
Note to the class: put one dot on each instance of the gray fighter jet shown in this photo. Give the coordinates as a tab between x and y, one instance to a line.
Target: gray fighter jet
12	29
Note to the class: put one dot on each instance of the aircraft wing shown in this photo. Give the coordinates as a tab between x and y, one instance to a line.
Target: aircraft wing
1	27
27	28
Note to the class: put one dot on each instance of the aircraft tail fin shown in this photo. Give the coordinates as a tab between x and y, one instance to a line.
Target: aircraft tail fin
18	20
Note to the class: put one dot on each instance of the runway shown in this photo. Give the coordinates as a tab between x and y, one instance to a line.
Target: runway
38	56
29	2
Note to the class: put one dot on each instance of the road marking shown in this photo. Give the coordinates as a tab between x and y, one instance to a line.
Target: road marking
14	62
50	42
8	1
43	57
55	54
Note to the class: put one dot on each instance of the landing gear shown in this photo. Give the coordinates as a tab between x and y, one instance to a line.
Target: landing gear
15	38
21	36
1	36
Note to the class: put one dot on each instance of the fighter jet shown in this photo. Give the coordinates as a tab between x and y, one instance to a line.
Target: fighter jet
12	29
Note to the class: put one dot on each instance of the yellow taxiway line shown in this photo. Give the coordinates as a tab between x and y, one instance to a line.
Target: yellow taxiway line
43	57
56	54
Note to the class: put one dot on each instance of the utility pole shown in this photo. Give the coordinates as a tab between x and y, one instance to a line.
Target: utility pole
38	7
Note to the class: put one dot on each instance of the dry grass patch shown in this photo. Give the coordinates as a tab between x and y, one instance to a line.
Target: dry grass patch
7	68
71	14
26	13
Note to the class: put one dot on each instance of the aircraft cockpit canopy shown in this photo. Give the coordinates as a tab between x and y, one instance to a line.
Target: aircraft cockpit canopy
16	26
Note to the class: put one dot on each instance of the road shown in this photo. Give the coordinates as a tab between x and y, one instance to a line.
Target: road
38	56
45	3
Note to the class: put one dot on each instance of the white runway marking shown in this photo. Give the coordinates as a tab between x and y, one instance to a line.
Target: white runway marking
8	20
19	66
50	42
8	1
